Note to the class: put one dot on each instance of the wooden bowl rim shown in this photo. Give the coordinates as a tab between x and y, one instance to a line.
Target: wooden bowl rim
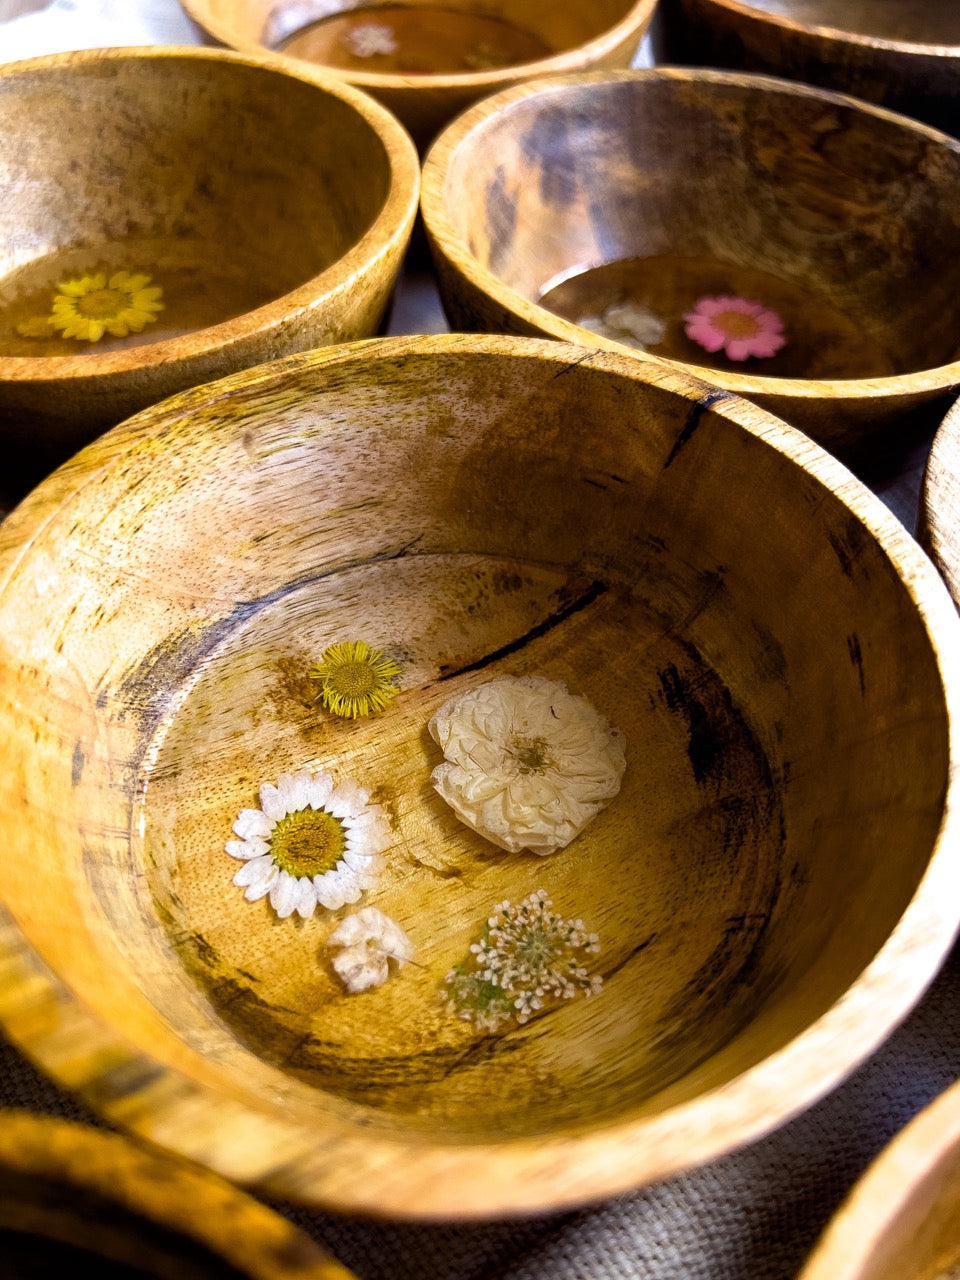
440	227
939	535
637	18
834	34
528	1174
865	1216
194	1202
390	227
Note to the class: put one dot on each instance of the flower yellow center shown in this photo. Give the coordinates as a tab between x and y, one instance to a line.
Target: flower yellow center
307	843
530	754
736	325
100	304
353	680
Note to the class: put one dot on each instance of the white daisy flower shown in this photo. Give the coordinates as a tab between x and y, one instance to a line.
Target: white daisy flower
370	38
527	763
368	941
310	843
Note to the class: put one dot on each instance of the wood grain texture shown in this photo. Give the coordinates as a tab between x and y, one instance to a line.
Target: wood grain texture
542	181
77	1194
904	56
902	1219
264	170
606	33
774	886
939	518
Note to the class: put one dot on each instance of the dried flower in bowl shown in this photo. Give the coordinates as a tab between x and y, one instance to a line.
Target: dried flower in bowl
91	306
527	764
367	941
310	843
527	957
354	679
736	326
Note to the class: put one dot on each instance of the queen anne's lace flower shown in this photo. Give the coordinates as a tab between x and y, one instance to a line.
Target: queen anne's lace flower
527	763
368	941
526	958
311	842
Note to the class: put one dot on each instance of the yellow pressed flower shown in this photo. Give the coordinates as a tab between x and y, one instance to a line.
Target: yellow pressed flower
89	307
354	679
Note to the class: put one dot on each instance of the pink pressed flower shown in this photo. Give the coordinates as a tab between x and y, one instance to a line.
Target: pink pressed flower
737	326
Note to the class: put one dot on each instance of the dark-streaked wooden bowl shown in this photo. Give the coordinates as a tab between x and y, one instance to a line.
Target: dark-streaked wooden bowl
432	86
902	1219
774	885
272	204
939	523
74	1197
842	217
900	54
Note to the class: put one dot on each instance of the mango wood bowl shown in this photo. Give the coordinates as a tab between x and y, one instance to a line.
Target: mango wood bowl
429	59
902	1219
773	886
271	205
904	56
640	193
73	1197
940	501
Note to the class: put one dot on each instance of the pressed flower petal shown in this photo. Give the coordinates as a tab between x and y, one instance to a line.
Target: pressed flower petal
255	871
307	902
284	894
253	848
252	822
329	893
260	888
271	802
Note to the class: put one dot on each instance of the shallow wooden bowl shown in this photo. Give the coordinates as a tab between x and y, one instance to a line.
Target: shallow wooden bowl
715	184
940	501
902	1219
773	887
273	206
904	55
447	53
77	1197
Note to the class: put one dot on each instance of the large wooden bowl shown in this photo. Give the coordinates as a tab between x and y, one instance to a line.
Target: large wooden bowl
272	204
939	524
429	89
902	1219
773	887
824	209
73	1197
903	55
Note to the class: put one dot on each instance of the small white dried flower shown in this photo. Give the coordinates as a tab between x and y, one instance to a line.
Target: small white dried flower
368	941
526	957
370	38
627	322
527	763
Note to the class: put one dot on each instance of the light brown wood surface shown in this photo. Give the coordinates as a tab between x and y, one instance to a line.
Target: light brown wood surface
278	174
939	519
774	886
605	33
902	1219
900	54
72	1196
542	181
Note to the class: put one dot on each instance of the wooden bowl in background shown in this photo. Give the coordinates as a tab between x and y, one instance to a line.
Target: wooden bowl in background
448	52
73	1196
939	519
902	1219
841	217
773	887
273	205
903	55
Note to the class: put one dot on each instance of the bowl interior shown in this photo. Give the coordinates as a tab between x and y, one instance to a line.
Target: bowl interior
476	510
926	22
413	37
227	183
617	201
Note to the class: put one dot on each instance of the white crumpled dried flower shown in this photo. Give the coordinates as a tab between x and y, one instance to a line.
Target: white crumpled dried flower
368	941
528	764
